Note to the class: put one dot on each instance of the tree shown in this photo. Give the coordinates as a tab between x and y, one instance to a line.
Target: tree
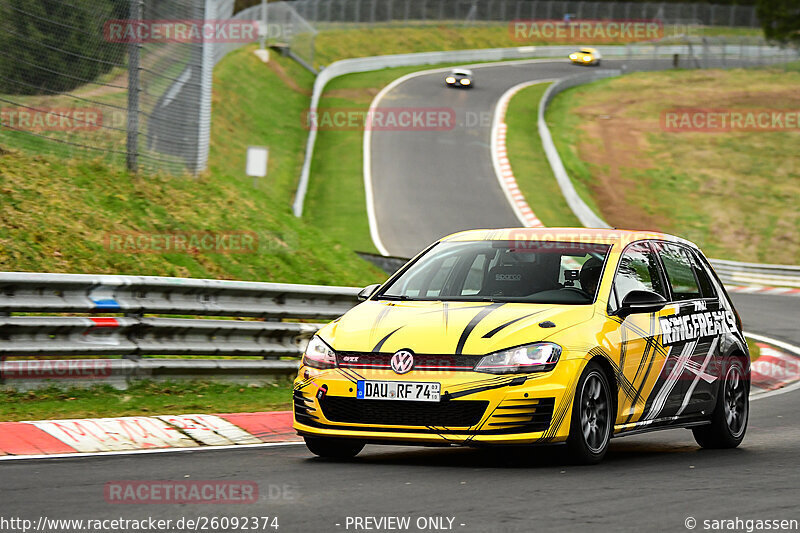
50	46
780	19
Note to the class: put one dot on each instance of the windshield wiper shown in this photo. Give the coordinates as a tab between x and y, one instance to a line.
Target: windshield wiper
394	297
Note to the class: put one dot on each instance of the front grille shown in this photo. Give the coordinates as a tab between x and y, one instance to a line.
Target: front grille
428	362
456	413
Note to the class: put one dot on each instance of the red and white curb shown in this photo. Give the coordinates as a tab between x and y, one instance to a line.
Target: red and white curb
777	368
502	166
774	368
97	435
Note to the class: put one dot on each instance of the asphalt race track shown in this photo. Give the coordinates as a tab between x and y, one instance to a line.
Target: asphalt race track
777	317
428	184
647	482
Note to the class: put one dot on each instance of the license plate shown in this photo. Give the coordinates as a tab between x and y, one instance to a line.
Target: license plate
397	390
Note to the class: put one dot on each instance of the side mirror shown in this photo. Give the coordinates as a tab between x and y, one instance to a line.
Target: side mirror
641	302
367	291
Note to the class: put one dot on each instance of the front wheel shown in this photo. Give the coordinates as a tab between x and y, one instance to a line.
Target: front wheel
729	421
592	416
333	448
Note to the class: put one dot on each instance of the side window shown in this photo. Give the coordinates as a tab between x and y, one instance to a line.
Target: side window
703	276
680	271
637	271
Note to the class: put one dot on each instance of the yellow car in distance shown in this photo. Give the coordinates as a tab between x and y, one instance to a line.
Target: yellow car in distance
531	336
586	56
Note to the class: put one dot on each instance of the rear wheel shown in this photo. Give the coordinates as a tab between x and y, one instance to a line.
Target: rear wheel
592	415
334	448
729	421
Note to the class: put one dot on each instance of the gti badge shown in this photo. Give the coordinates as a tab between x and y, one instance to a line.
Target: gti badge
402	361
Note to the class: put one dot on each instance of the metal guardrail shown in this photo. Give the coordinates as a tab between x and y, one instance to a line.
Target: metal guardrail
582	211
135	335
367	64
754	274
753	53
24	292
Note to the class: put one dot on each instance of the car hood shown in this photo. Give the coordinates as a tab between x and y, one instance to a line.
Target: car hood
470	328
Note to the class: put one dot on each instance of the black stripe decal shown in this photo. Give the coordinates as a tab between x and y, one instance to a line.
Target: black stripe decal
492	333
472	323
378	346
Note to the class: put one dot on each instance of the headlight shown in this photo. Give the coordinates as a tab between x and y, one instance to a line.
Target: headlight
450	79
318	354
587	58
573	56
465	81
539	357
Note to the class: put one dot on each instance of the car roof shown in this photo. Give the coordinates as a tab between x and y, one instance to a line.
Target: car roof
585	235
461	71
587	49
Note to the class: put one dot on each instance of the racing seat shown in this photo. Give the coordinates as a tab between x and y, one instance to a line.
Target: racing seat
508	280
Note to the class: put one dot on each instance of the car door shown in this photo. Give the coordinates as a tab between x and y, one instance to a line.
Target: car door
635	338
696	328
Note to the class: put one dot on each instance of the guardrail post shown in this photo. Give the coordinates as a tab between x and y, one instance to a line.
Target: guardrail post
134	51
724	52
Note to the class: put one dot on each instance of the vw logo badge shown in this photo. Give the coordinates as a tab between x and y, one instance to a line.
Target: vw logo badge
402	361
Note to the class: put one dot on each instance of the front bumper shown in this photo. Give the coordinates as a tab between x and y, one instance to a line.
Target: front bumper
458	83
475	408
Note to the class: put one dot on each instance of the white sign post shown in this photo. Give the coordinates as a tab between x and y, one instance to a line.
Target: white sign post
257	159
263	33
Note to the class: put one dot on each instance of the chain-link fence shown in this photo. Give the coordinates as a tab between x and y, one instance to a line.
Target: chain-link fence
713	52
122	80
279	25
129	81
322	12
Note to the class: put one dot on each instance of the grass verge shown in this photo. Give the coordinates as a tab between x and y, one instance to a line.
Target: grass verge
336	200
755	351
733	193
144	398
335	44
529	162
59	215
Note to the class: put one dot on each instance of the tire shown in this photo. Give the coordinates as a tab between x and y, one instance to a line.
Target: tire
731	411
333	448
592	417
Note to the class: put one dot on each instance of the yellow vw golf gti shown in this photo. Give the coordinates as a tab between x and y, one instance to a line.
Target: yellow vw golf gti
531	336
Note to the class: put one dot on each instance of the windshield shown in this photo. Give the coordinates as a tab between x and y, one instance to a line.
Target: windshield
507	271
